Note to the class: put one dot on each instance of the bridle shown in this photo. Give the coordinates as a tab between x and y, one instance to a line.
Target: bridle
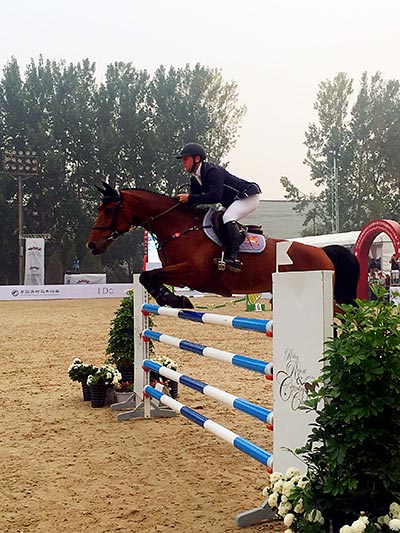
113	226
118	209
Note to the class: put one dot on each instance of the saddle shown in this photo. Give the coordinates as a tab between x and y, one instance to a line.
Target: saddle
254	242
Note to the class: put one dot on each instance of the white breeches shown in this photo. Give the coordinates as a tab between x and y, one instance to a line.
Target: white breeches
241	208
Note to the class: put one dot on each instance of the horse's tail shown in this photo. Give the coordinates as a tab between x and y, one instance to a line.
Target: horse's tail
347	273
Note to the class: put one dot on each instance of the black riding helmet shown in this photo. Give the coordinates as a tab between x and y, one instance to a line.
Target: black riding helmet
192	149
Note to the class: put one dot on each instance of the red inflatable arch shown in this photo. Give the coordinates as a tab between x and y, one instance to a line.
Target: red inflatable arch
363	244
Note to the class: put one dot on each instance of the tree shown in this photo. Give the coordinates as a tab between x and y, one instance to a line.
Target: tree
127	130
191	105
369	162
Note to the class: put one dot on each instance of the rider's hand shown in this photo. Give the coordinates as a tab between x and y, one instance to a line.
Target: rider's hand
183	198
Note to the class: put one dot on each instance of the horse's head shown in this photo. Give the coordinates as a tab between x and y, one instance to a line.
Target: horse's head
110	223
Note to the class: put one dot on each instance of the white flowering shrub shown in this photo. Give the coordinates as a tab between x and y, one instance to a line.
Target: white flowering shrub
284	495
165	361
79	371
281	495
106	374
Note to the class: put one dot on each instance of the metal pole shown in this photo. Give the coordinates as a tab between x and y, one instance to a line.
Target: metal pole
336	185
20	230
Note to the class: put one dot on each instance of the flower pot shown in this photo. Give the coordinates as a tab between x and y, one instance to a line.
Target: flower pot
126	373
123	396
85	392
98	394
110	395
173	388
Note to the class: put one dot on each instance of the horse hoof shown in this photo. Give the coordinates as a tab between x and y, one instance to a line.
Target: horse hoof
186	303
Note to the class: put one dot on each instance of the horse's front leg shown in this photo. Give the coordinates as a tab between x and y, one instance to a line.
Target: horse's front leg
153	281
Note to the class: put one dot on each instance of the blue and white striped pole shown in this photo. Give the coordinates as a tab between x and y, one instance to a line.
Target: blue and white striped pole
237	322
232	438
227	357
245	406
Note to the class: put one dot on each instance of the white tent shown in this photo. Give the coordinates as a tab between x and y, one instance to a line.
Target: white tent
382	247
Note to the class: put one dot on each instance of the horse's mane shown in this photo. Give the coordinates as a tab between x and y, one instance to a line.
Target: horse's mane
156	193
172	200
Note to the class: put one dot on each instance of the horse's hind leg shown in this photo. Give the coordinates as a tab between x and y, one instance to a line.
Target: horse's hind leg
152	281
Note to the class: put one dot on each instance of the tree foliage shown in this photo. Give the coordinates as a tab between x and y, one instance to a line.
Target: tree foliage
126	129
366	137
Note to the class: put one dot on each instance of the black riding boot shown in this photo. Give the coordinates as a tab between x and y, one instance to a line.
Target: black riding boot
235	238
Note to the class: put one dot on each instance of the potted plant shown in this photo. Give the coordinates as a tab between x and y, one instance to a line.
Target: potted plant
105	377
154	376
80	371
123	391
120	346
120	343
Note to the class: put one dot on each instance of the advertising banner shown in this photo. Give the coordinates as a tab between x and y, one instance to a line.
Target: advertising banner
63	292
34	262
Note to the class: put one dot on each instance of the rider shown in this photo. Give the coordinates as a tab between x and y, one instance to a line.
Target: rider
211	184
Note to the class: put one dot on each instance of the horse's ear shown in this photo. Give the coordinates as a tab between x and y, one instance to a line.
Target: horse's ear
108	190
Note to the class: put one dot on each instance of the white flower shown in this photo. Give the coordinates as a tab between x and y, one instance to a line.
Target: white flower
288	531
274	477
315	516
346	529
303	482
292	471
289	519
386	519
394	524
287	488
364	519
382	519
284	508
266	491
278	486
273	500
358	526
394	510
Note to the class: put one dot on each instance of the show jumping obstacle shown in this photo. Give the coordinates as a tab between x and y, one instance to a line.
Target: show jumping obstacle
303	316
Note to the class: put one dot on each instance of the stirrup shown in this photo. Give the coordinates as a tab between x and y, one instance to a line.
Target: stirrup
234	265
220	262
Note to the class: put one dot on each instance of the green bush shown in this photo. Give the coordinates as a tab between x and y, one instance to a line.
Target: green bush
120	346
353	452
120	343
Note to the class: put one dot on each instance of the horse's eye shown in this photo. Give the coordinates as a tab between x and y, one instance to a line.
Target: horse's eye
108	211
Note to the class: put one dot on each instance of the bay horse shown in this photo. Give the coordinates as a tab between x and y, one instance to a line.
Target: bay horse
187	254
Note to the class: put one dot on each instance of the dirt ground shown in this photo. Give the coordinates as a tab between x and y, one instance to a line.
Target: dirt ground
67	467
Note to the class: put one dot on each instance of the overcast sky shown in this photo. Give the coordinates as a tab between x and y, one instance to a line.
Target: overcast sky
277	51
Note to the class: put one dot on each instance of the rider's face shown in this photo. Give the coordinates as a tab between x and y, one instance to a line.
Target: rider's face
188	160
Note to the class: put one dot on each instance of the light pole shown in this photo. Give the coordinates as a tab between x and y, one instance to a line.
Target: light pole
335	192
21	165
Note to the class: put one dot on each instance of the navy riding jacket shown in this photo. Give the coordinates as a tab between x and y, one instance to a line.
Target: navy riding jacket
219	186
